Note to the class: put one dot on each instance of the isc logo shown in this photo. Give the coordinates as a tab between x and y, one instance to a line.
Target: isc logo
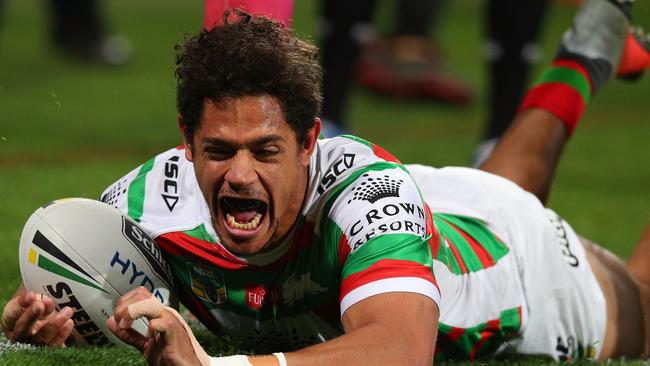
170	184
136	277
338	168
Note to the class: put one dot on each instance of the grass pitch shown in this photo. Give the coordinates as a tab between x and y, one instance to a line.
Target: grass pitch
69	129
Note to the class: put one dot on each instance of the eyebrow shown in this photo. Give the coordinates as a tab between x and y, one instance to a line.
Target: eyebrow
256	142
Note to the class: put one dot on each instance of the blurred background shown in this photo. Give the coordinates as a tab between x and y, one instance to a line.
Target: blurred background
69	126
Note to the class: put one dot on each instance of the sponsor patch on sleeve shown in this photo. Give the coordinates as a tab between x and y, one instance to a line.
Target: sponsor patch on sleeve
378	203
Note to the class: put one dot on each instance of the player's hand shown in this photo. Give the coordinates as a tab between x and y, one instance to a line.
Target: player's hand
169	340
31	317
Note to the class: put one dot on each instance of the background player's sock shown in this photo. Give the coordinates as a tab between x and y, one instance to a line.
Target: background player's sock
587	57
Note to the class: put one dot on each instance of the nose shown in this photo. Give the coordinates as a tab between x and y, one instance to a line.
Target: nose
241	172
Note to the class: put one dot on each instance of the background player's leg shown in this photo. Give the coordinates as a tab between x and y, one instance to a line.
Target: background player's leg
512	33
340	49
625	333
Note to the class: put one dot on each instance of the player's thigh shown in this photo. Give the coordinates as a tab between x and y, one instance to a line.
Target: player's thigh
624	334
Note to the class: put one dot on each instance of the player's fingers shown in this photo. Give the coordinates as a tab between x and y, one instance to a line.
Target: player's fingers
23	328
64	332
128	335
134	295
164	328
49	304
10	315
53	326
26	299
121	311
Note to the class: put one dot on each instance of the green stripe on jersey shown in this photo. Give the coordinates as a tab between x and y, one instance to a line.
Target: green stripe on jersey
480	340
137	190
200	233
407	247
473	228
569	76
465	251
477	230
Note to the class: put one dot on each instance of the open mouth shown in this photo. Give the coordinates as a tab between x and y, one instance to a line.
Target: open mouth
243	214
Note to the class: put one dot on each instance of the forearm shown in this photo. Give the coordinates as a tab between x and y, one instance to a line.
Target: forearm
370	345
388	329
529	151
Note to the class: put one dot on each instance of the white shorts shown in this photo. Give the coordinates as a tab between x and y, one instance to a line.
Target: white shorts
566	306
564	311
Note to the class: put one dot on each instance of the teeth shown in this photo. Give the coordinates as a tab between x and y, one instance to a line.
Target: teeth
244	225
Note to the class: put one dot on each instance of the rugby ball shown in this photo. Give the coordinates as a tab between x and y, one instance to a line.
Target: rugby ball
85	254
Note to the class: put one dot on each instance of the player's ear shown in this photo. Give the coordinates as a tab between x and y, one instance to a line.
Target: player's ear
186	142
310	142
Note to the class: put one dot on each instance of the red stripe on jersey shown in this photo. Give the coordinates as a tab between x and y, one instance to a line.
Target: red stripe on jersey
380	152
459	259
483	256
434	240
181	244
344	249
180	147
177	243
492	328
455	333
383	269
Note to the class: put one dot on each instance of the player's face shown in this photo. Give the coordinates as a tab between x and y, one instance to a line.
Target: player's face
251	170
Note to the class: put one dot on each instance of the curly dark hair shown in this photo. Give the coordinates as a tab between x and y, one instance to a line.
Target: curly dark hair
251	56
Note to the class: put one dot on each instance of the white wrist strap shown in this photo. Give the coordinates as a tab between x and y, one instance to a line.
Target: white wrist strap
236	360
281	359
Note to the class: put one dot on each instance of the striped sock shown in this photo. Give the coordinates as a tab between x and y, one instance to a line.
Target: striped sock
564	89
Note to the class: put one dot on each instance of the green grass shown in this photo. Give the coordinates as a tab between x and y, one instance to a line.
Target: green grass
68	129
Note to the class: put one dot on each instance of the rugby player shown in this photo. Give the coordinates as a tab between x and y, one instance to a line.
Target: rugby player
334	252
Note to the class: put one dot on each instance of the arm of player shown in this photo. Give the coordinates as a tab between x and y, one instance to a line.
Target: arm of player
31	317
389	329
392	328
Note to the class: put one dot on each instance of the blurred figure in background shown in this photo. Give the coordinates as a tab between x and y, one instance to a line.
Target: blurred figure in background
280	10
511	49
406	64
78	31
409	65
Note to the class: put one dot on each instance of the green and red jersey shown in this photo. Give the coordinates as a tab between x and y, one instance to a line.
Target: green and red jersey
364	230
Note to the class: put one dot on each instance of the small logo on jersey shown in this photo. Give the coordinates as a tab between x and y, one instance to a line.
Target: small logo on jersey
392	217
208	285
170	184
372	189
294	289
563	241
334	171
258	295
